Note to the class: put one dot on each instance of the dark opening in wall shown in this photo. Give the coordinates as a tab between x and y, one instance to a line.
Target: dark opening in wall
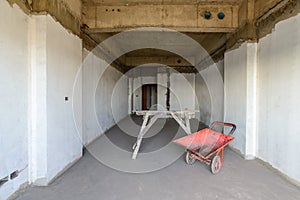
168	90
149	97
3	180
14	175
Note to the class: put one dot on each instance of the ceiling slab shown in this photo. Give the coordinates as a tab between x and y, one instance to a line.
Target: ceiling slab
185	18
105	18
155	2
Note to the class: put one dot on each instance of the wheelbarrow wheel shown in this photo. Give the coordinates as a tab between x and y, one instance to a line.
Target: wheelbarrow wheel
216	164
190	158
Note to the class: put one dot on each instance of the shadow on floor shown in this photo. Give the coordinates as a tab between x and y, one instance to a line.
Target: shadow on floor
238	179
161	133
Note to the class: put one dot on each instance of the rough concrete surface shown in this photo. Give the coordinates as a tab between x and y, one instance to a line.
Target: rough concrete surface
238	179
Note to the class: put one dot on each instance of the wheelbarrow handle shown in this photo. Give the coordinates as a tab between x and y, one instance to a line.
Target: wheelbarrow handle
224	124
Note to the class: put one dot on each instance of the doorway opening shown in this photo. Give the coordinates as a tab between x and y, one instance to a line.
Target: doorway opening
149	97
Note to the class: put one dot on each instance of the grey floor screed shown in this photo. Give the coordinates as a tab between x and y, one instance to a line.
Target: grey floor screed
238	179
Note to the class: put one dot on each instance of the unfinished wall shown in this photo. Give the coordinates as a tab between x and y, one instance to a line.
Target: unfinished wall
162	90
75	6
53	74
204	96
14	97
63	63
37	75
111	98
136	89
262	97
240	77
106	111
235	88
54	141
182	90
279	98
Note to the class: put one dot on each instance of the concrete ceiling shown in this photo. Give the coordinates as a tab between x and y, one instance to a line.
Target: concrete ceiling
103	19
124	2
97	20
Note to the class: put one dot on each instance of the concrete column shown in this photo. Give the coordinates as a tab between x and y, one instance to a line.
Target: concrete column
137	97
130	95
54	138
38	134
162	90
240	77
251	132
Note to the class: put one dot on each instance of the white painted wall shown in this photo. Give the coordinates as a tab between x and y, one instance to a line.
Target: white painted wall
63	62
235	88
108	103
111	98
203	97
279	97
54	141
240	96
14	96
262	97
37	145
210	93
162	90
182	91
182	87
136	89
38	133
137	93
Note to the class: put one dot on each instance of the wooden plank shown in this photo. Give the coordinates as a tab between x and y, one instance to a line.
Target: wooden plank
154	112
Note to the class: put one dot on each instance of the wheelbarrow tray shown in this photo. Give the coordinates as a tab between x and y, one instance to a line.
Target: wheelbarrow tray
204	143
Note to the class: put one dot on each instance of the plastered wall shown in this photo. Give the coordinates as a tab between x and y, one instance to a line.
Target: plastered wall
63	63
182	95
262	97
182	90
209	93
279	98
235	88
108	103
14	97
38	136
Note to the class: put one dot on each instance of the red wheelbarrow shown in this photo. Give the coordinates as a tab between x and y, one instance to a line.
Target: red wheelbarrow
207	146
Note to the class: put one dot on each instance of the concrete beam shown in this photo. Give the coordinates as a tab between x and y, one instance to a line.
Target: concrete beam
66	12
179	29
261	19
179	69
175	61
281	11
91	45
61	11
248	29
261	7
157	2
186	18
25	5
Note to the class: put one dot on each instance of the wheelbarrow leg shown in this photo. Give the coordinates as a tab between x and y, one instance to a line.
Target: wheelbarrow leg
222	155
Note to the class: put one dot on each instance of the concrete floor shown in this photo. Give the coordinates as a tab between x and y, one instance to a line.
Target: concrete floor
238	179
